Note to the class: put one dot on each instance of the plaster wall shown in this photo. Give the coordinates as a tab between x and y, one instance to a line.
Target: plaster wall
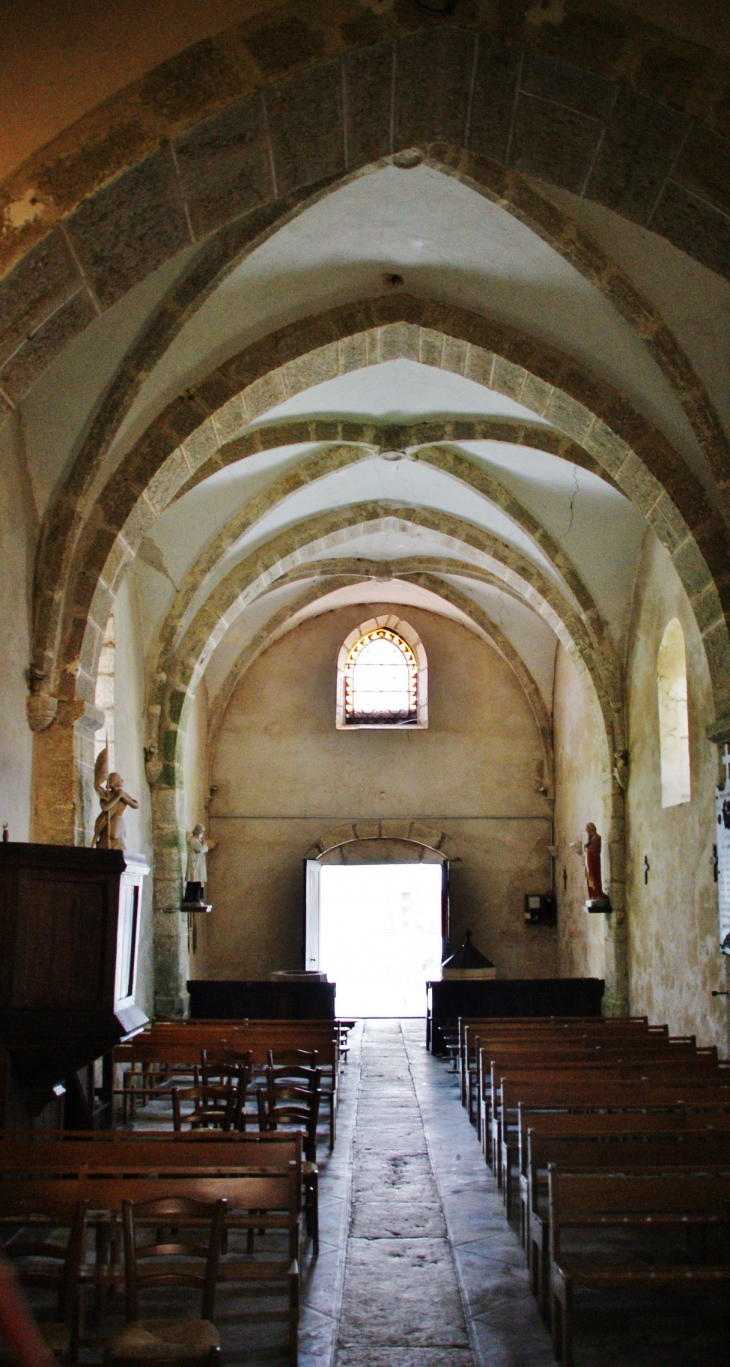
129	738
285	776
18	531
581	783
674	956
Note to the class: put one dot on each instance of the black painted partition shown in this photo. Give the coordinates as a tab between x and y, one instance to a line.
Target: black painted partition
261	1000
508	997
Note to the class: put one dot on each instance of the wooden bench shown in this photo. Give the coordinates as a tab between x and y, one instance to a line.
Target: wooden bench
639	1200
635	1057
666	1149
649	1067
482	1039
589	1093
256	1202
674	1119
159	1151
498	1058
489	1030
174	1048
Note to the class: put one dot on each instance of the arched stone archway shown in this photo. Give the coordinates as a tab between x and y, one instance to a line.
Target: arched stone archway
175	699
186	152
656	481
389	837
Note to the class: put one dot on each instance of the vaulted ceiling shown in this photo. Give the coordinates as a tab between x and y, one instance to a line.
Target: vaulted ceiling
412	394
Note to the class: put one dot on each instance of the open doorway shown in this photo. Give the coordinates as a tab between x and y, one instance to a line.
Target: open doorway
380	936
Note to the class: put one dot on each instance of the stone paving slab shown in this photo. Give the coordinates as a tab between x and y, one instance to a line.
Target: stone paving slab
401	1292
401	1303
398	1220
403	1357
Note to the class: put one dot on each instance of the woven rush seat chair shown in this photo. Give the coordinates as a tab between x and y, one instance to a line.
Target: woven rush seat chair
287	1105
296	1065
40	1261
226	1066
153	1265
215	1106
283	1105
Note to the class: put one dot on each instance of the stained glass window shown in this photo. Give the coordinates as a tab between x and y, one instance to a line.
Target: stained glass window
381	681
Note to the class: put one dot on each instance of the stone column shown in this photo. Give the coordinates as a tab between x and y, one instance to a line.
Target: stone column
170	925
63	775
616	995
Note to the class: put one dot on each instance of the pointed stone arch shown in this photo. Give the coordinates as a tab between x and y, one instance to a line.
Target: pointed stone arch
655	480
174	694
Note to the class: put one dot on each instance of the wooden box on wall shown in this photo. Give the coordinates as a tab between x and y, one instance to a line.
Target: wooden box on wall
69	932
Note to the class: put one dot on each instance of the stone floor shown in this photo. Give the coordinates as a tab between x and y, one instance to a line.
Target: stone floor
421	1266
418	1266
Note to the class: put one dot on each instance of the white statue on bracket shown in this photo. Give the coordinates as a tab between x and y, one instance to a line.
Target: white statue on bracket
196	874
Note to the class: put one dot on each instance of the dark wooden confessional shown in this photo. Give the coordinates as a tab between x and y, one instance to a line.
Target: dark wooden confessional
69	932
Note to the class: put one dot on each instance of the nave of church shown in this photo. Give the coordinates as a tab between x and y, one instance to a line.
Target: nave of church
364	584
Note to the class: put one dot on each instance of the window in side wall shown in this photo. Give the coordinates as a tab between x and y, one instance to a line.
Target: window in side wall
104	694
382	677
673	716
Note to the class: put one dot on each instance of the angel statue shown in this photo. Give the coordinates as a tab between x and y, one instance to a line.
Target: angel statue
109	826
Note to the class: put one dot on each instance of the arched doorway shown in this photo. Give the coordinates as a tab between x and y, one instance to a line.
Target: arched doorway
376	917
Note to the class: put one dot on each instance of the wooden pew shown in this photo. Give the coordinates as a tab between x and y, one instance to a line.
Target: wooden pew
590	1033
630	1055
613	1048
591	1093
159	1151
679	1120
554	1029
256	1202
629	1064
175	1046
639	1200
666	1149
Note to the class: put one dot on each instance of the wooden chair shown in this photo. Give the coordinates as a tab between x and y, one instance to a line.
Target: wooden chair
158	1264
282	1105
43	1262
285	1105
223	1063
298	1067
214	1106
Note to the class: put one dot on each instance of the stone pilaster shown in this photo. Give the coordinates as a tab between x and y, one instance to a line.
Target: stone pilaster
616	996
170	926
63	775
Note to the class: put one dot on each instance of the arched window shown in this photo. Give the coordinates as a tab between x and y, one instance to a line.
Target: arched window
104	694
382	676
673	718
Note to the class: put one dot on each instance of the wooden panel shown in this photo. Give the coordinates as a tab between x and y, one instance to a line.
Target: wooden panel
263	1000
62	932
506	997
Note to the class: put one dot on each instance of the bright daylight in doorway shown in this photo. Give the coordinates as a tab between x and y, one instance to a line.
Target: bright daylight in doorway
380	936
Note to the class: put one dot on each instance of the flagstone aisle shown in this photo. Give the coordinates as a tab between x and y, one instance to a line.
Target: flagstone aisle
431	1274
401	1301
